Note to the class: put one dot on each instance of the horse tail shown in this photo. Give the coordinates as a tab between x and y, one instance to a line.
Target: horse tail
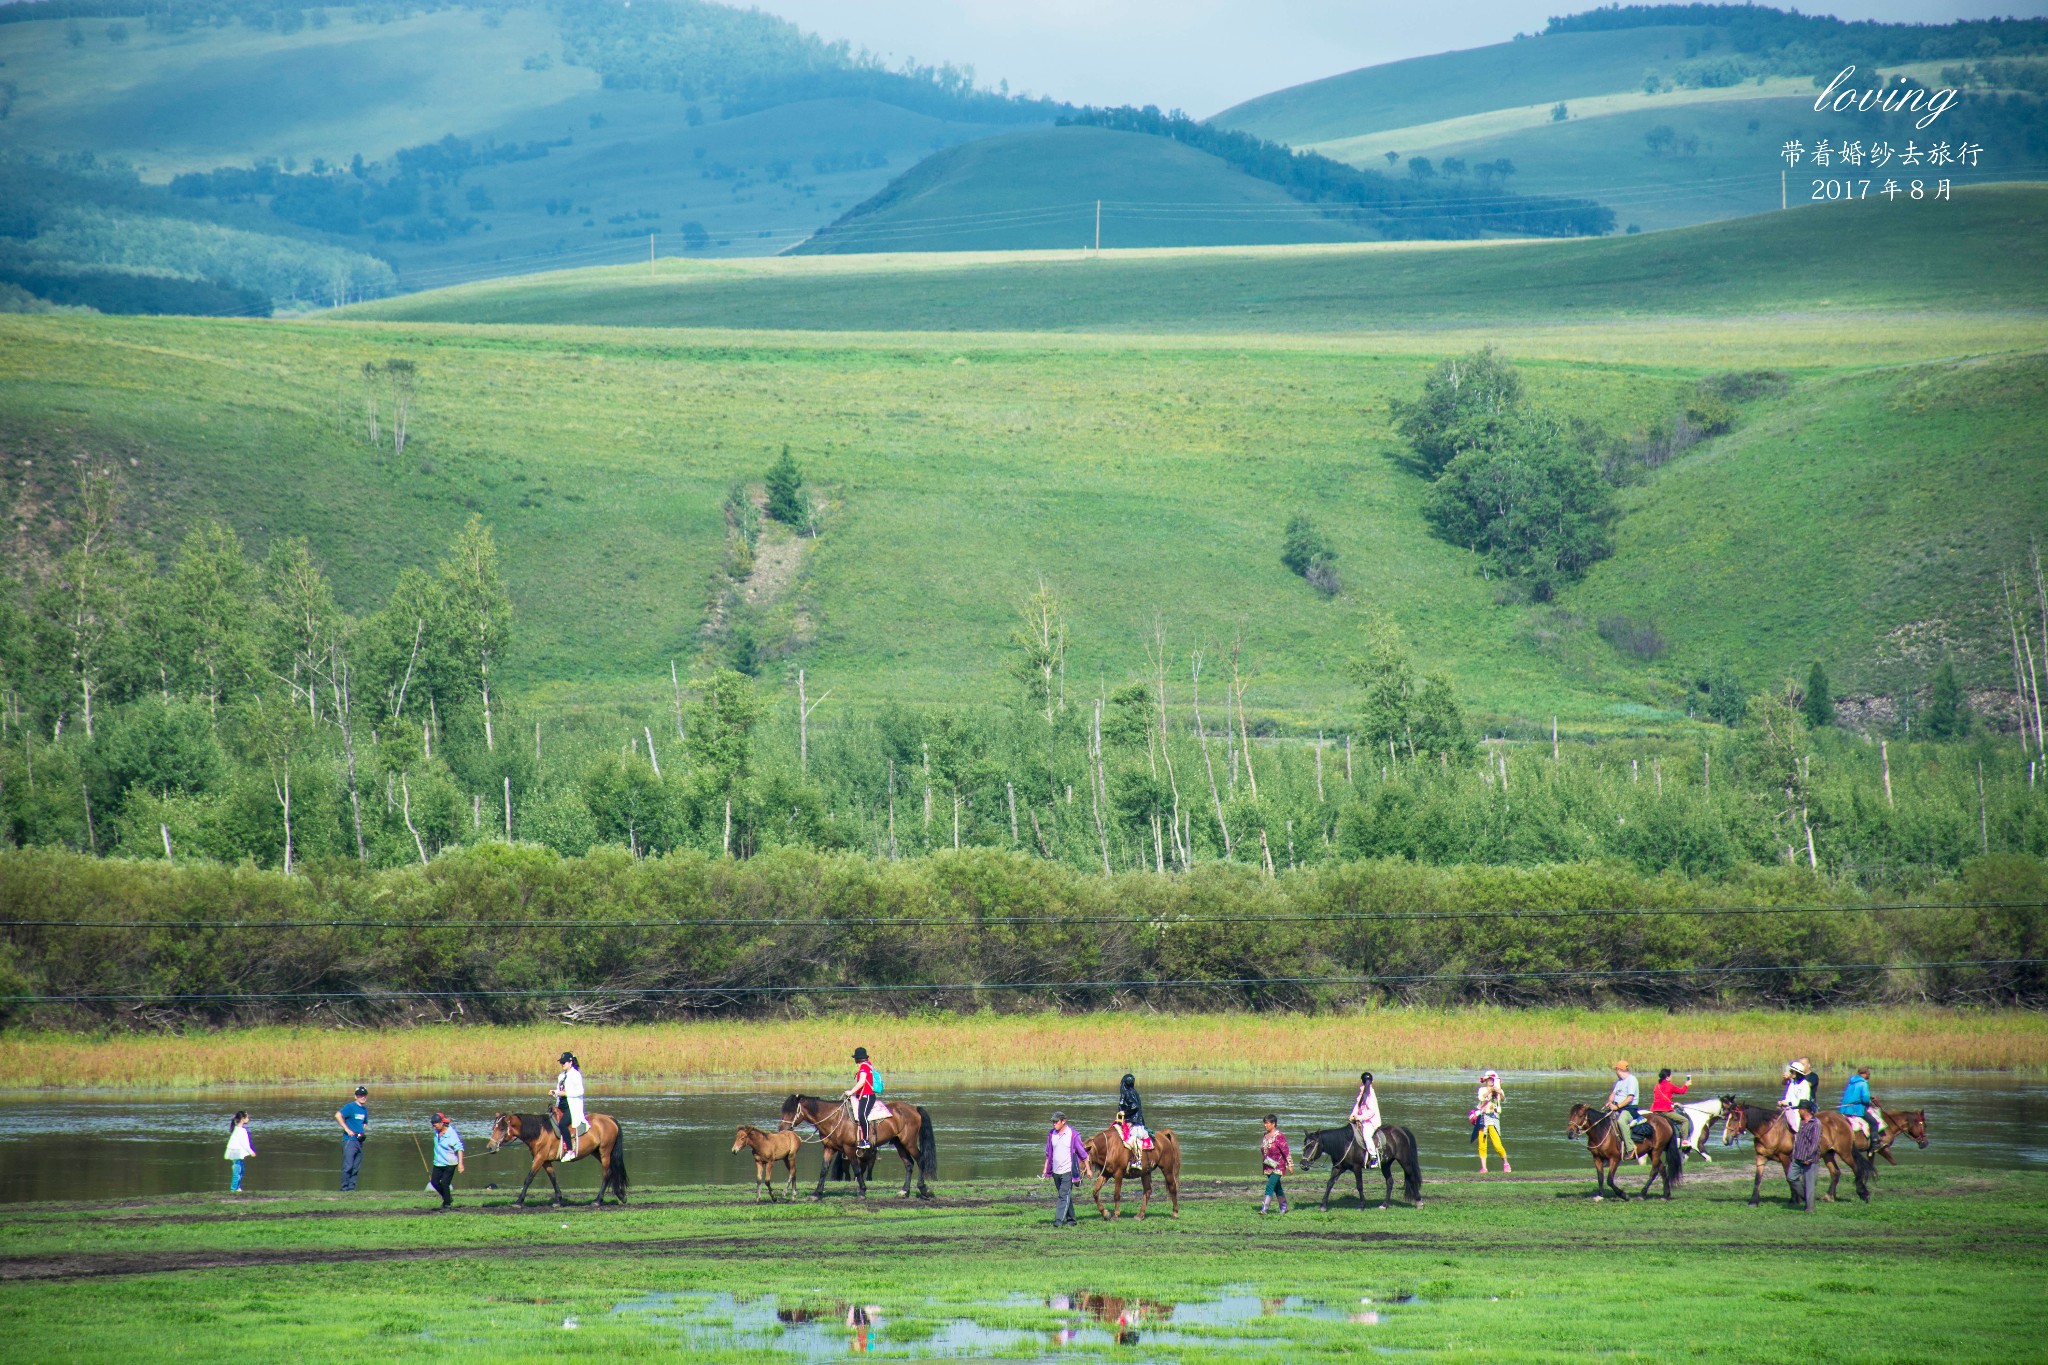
927	1144
1674	1159
618	1162
838	1171
1411	1167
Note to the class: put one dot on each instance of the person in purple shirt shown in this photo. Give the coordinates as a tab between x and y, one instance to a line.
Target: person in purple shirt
1805	1155
1065	1157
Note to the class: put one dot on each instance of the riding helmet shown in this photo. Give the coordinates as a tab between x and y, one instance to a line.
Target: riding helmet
860	1054
1129	1079
568	1059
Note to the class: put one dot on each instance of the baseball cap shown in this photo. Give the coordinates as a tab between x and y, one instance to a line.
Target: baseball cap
362	1090
440	1118
1059	1116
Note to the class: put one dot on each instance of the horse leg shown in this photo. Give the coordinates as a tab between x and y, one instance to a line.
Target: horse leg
1387	1171
554	1184
1834	1174
824	1165
533	1171
1100	1178
1335	1171
1358	1174
909	1167
1145	1185
1756	1186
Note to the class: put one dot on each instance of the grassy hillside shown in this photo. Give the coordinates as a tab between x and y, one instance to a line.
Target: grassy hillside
1983	252
1038	190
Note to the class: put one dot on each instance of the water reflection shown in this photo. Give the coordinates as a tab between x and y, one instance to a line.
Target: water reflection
106	1146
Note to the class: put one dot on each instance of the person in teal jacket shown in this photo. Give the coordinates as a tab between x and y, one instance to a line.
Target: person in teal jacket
1857	1104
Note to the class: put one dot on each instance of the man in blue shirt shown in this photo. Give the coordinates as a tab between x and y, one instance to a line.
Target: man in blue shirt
354	1118
1857	1103
447	1159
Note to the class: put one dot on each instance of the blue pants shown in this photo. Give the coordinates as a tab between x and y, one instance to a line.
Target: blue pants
1063	1198
235	1185
351	1161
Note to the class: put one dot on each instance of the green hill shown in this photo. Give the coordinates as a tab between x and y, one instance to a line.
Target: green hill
1983	252
1676	116
1039	190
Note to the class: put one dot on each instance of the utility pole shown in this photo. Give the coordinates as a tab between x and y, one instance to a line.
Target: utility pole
650	253
1098	227
1783	201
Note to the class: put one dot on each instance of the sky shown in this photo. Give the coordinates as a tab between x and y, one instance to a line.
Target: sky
1204	55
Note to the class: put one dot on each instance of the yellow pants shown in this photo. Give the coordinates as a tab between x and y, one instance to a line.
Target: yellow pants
1489	1131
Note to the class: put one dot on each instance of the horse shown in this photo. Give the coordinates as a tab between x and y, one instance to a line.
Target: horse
1911	1123
906	1129
1702	1113
1603	1134
768	1148
1396	1146
603	1140
1773	1137
1112	1159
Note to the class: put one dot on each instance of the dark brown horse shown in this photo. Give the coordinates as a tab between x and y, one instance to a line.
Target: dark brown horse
908	1130
768	1148
1113	1160
1766	1127
1395	1147
1910	1123
602	1141
1607	1140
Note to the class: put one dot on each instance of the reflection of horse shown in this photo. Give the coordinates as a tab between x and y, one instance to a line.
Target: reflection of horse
1774	1137
1396	1147
1910	1123
1602	1130
908	1130
768	1148
1121	1315
603	1140
1114	1161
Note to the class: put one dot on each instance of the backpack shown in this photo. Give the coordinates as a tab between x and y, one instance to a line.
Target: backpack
878	1081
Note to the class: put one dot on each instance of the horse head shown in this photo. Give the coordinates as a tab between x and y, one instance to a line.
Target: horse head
1738	1119
739	1137
1580	1122
1311	1148
792	1110
1911	1122
504	1129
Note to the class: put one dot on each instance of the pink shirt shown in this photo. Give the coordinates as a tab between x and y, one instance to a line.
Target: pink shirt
1366	1109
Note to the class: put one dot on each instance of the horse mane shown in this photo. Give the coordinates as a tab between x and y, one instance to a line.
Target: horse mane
530	1124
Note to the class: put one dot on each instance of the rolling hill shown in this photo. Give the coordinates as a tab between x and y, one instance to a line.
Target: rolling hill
1041	189
1984	251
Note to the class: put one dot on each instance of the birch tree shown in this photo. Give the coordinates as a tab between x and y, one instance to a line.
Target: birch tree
479	609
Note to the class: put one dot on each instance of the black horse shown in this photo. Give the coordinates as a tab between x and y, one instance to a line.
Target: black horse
1397	1147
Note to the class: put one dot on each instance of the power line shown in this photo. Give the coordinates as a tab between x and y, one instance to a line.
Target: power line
672	992
883	921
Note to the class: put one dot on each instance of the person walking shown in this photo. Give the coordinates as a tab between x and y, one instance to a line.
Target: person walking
1065	1156
239	1149
1277	1161
1486	1121
1805	1154
447	1160
354	1118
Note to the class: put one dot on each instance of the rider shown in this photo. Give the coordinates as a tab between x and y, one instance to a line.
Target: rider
1799	1085
1130	1116
1858	1104
1365	1120
569	1105
1662	1100
862	1093
1626	1095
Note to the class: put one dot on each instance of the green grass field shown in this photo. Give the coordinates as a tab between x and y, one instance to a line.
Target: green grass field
1142	475
1937	1266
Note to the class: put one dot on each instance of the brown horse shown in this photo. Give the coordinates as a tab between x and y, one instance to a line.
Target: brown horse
603	1141
1910	1123
1604	1134
1113	1160
909	1130
1766	1127
768	1148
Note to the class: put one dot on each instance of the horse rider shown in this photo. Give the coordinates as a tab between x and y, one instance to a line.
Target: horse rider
569	1120
1663	1101
1365	1120
1626	1095
1130	1117
1799	1085
861	1095
1858	1104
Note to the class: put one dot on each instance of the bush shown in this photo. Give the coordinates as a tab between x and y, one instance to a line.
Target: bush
1470	402
1630	635
1304	551
1533	506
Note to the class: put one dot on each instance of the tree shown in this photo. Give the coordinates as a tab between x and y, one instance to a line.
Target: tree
785	484
1420	718
1532	504
1467	403
1948	712
1421	168
1558	113
274	739
479	608
1722	695
83	609
1659	139
1818	705
212	595
1304	550
1041	642
304	618
720	729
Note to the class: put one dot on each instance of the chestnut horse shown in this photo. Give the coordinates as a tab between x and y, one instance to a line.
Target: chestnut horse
603	1141
1910	1123
1766	1127
1113	1160
906	1129
1604	1131
768	1148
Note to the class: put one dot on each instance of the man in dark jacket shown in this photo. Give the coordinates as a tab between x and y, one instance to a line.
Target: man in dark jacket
1805	1155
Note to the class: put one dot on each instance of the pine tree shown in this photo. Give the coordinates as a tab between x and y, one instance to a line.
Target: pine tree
785	484
1818	706
1948	714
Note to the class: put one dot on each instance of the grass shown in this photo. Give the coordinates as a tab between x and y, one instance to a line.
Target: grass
1981	253
1028	1047
1040	190
1938	1266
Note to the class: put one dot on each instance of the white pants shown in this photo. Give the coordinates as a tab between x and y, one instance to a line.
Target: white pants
1366	1133
1791	1118
574	1104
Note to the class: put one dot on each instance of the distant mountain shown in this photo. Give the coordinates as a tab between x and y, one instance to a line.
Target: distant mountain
300	156
1671	114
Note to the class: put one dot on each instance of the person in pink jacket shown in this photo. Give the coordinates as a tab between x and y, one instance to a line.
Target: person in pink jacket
1365	1119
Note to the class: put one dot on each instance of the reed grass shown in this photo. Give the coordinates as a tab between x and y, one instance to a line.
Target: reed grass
1024	1047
